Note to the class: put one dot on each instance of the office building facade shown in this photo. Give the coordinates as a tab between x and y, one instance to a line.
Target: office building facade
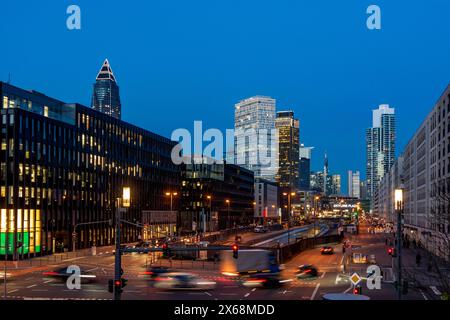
214	196
423	171
255	141
62	168
380	147
305	167
266	201
288	147
354	184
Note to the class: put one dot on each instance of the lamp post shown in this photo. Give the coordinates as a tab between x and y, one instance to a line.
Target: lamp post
289	194
209	197
399	210
228	213
316	198
125	203
171	194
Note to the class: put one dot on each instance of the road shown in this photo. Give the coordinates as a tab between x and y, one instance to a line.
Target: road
33	285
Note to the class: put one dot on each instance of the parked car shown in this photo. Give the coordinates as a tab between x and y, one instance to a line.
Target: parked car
260	229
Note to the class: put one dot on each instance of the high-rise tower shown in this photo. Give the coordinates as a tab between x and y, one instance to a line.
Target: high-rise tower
380	146
105	97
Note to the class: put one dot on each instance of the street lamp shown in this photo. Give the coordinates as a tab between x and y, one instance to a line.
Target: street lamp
289	194
398	205
171	194
228	210
123	202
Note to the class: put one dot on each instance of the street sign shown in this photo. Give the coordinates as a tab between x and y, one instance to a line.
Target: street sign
355	279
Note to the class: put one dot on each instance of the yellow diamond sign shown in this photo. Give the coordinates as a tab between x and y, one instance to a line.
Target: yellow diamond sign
355	279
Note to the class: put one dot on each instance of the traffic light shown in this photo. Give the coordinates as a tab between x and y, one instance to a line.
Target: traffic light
235	251
357	290
166	249
118	285
391	251
111	285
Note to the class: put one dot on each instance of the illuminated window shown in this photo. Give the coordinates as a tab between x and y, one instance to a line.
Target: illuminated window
3	219
3	191
5	102
4	144
45	111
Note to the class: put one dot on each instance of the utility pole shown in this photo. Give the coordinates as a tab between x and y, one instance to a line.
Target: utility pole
118	262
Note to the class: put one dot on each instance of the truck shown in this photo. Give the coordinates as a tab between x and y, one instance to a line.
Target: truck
249	261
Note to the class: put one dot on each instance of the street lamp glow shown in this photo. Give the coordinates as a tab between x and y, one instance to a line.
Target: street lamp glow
167	193
126	197
292	193
227	201
284	194
398	196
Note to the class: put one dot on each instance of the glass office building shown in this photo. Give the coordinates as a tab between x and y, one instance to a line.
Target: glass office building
63	165
256	147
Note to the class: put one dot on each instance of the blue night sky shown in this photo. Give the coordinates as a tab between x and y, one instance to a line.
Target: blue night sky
180	61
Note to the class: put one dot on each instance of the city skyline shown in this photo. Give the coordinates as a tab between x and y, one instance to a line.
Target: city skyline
299	77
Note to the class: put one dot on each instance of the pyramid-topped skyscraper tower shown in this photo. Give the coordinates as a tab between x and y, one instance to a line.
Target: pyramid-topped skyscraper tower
105	97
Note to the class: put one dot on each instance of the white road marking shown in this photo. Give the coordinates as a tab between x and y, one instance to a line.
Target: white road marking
13	290
207	293
423	295
435	290
323	275
253	289
33	285
247	294
350	288
315	291
47	281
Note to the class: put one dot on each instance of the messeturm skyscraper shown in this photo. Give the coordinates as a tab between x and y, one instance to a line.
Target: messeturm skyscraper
105	97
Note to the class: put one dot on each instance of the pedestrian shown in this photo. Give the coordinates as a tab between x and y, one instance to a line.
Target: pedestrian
343	249
418	258
387	241
414	243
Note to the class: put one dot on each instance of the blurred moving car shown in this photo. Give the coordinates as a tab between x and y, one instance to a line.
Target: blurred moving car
62	274
183	281
263	281
2	276
153	272
327	250
306	271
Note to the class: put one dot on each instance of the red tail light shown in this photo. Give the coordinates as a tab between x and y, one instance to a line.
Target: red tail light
50	273
147	273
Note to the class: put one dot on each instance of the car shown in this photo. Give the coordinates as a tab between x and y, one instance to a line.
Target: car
62	274
153	272
263	281
260	229
306	271
183	281
327	250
